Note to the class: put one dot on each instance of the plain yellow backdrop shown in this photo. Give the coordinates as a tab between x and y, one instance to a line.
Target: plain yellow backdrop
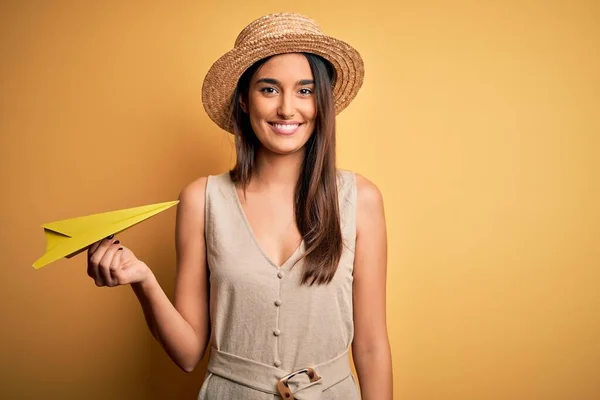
478	120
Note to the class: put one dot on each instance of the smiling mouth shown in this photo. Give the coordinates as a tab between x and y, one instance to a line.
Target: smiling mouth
285	129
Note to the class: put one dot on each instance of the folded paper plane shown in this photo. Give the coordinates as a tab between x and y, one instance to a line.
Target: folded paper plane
68	237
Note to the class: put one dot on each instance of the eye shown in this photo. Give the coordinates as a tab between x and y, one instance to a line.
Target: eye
268	90
306	91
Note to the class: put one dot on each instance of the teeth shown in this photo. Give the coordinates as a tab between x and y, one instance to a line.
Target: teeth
286	127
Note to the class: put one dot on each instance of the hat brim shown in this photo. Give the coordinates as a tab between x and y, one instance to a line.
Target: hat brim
222	78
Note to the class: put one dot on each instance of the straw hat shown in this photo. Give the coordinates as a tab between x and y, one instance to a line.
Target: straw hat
276	34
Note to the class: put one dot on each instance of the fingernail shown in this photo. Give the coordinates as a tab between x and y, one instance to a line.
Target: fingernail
111	236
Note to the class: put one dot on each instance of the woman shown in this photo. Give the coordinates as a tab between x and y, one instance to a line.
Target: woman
281	262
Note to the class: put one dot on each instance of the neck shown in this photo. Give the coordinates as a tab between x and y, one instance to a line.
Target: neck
275	171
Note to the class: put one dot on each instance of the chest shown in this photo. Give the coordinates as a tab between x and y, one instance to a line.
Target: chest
271	221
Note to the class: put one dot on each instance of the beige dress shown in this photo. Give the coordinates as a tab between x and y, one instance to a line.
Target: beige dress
265	325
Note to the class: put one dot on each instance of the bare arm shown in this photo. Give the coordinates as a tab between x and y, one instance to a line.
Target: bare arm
371	348
182	328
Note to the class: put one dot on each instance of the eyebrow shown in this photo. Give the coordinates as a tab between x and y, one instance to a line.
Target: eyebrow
272	81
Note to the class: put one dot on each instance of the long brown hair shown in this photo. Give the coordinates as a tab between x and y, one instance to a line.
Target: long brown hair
316	197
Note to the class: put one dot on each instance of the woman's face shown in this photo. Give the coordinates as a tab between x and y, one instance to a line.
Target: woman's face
282	104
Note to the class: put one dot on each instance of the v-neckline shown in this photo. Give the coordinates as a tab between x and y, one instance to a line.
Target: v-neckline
253	236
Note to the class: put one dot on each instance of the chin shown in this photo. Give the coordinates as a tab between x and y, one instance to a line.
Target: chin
285	148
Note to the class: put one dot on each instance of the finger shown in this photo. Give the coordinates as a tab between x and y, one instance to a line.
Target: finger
115	266
105	264
95	259
95	245
97	249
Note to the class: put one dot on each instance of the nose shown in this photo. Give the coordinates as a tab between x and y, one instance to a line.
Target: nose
286	107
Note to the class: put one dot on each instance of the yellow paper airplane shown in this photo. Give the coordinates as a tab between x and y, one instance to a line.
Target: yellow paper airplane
68	237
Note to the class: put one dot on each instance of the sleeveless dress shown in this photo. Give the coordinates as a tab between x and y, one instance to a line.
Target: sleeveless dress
265	325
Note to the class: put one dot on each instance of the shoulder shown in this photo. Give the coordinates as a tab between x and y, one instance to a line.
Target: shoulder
192	198
194	191
369	197
369	202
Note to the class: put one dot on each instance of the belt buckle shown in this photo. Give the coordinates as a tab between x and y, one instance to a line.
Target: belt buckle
284	389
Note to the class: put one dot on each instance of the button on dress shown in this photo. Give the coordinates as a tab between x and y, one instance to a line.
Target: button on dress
264	324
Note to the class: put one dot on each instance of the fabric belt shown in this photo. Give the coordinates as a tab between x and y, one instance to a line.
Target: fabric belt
266	378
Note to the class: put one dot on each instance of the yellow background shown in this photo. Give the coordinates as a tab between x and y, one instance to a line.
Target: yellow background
478	120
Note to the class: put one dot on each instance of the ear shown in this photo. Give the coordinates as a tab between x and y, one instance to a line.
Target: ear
243	104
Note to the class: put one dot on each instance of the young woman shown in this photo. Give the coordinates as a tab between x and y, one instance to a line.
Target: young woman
281	262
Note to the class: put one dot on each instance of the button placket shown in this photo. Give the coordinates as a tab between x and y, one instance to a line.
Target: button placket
277	331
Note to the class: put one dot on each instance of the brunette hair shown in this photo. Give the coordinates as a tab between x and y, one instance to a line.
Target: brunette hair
316	207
